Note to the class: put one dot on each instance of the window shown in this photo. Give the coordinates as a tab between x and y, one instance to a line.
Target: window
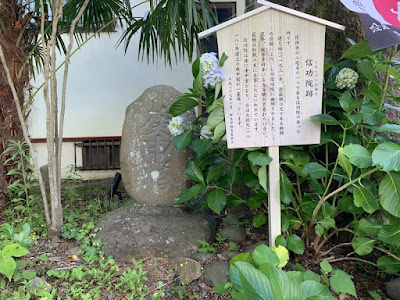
225	12
100	154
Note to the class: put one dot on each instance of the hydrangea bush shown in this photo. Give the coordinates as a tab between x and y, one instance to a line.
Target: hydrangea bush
354	173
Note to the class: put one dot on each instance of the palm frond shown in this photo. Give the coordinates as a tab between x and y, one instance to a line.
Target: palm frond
97	13
171	29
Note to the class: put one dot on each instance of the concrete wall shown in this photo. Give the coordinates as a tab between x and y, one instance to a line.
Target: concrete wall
102	82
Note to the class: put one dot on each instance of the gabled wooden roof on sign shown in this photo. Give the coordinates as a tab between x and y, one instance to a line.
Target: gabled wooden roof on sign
268	5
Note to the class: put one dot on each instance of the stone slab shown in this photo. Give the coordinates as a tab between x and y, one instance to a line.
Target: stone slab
142	231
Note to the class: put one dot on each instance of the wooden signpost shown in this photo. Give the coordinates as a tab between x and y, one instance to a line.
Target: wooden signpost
274	78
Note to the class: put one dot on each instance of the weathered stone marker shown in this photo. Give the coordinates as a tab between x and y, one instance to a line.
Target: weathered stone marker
152	170
274	78
153	173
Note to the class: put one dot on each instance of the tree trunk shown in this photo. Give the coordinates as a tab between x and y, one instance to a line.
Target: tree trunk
15	54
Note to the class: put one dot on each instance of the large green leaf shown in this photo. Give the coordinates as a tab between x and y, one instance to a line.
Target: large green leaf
347	101
341	282
282	286
245	257
234	276
312	288
347	205
189	193
326	119
387	156
256	200
214	172
15	250
253	282
219	132
184	196
7	265
286	189
390	128
367	69
388	264
182	105
197	189
263	254
216	200
358	155
310	275
259	220
262	177
363	245
327	223
371	115
389	193
183	140
344	162
370	226
259	158
201	146
301	158
295	243
365	199
359	50
193	172
315	170
390	234
215	117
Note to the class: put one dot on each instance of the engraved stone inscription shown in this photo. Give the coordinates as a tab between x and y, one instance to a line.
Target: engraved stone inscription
152	170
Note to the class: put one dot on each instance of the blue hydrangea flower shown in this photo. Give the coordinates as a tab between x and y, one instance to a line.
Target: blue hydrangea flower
210	72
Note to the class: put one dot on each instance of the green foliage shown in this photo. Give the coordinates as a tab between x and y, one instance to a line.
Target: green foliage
24	202
355	169
13	244
132	281
216	247
260	277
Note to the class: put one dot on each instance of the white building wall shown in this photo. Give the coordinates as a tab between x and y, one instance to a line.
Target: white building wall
102	82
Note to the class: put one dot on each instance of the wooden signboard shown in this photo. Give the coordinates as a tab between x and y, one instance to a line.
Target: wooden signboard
274	80
274	84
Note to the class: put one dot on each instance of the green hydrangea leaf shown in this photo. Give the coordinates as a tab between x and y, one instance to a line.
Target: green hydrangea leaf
365	199
387	156
389	193
363	245
315	170
341	282
259	158
201	146
358	155
183	140
216	200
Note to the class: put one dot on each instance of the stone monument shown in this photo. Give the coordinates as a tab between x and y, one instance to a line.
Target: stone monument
152	170
153	173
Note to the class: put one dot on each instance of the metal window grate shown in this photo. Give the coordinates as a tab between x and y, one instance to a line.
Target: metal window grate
100	154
